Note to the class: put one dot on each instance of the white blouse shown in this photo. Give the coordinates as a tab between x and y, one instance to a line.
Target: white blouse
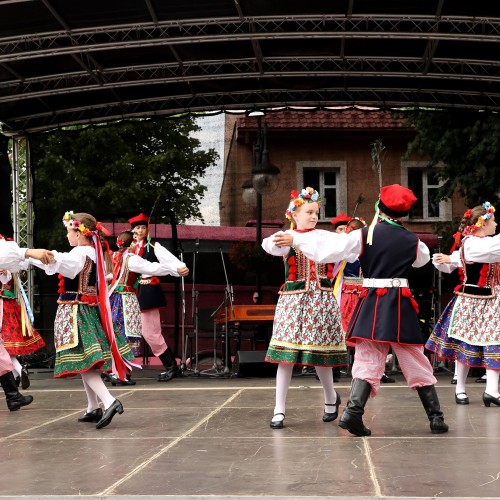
11	256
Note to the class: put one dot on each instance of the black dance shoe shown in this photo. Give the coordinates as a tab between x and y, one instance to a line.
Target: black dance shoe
93	416
108	414
279	423
487	400
117	381
387	380
453	381
462	401
480	380
330	417
25	381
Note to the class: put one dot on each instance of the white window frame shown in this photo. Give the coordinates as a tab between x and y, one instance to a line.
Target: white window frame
340	169
445	207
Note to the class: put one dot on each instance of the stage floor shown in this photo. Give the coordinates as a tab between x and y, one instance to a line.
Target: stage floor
199	437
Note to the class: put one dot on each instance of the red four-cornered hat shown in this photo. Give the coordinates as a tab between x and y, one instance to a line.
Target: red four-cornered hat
139	220
341	220
396	200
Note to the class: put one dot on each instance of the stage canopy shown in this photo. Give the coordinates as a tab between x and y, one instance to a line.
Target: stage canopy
67	62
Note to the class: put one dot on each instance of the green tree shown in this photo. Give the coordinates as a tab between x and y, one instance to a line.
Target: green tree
464	147
117	169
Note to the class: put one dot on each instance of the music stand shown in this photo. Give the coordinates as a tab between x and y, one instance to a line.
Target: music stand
227	303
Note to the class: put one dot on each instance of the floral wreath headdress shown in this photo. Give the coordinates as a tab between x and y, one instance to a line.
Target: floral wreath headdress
469	230
490	210
308	194
71	222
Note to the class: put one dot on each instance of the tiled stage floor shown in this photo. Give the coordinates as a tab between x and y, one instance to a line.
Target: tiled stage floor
199	437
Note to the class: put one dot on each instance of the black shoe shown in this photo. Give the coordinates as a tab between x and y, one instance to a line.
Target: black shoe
454	381
107	377
461	401
480	380
330	417
93	416
170	374
20	401
487	400
117	381
108	414
386	379
278	424
354	424
25	381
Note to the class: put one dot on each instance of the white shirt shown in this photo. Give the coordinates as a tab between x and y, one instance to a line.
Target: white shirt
11	256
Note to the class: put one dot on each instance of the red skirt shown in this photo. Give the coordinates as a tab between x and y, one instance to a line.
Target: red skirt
15	343
351	290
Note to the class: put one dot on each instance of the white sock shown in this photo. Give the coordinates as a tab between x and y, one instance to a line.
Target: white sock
92	402
455	375
492	383
325	376
94	381
462	372
283	379
17	366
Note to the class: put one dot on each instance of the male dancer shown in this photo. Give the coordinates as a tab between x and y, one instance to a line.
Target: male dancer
385	314
151	298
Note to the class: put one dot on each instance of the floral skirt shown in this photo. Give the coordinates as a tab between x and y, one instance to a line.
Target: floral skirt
447	347
126	315
14	341
307	330
89	347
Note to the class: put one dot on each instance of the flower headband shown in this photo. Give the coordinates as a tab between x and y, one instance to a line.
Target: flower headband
490	210
296	200
72	223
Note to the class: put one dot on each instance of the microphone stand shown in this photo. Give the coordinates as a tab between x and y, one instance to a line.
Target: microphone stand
194	307
228	299
183	366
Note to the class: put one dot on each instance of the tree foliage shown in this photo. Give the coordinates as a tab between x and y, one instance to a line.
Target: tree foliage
464	146
116	170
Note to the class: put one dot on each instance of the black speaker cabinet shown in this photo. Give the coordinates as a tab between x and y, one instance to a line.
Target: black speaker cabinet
252	364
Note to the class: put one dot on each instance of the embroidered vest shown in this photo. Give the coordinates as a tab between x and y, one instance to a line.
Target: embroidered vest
81	289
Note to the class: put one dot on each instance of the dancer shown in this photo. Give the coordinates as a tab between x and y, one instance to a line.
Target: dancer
83	331
151	298
385	315
127	269
18	334
468	330
340	222
12	258
307	328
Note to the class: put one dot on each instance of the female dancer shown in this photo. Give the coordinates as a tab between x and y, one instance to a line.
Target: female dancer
469	330
307	328
83	332
127	269
19	336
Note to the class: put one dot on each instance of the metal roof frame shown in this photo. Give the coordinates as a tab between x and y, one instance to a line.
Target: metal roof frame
64	63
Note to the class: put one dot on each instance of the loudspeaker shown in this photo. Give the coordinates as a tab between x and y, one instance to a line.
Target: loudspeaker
252	364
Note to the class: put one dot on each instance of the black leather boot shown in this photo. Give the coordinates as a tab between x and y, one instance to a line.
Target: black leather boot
352	418
13	397
170	364
430	401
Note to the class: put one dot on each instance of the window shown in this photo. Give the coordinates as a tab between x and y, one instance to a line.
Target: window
424	182
327	178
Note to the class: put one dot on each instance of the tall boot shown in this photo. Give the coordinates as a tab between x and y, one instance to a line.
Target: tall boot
430	401
170	364
13	397
352	418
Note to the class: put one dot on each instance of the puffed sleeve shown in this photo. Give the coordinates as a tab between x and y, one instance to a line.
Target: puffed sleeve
168	263
449	268
270	247
485	250
69	264
11	256
324	246
423	255
5	277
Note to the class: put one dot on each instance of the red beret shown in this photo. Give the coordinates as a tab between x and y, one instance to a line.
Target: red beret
139	220
396	200
341	220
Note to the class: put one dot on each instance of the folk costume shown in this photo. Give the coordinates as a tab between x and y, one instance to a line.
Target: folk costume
469	328
83	331
307	329
125	307
12	258
386	314
151	298
19	336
